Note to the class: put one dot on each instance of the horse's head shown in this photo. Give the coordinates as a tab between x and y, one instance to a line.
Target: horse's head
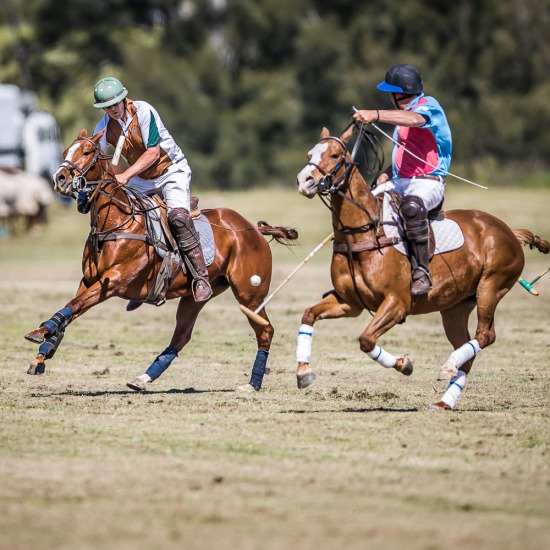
328	162
80	166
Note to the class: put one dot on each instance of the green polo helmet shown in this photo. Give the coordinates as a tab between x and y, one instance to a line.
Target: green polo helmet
109	91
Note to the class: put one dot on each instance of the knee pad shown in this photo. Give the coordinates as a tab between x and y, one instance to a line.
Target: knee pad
179	218
412	208
183	228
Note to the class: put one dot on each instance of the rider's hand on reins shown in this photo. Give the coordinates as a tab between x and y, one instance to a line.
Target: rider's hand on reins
367	116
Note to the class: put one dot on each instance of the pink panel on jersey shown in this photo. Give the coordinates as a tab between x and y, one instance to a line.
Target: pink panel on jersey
421	142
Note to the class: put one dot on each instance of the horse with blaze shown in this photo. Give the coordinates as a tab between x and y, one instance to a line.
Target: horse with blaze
119	260
369	273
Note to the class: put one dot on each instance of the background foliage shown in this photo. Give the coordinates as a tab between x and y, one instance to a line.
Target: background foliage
246	85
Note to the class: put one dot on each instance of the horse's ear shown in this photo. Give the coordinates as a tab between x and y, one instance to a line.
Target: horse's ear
83	133
98	136
347	134
324	133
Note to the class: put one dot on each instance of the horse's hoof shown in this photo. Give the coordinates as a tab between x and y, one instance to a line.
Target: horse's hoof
39	368
137	385
37	336
439	406
305	380
404	366
247	388
132	305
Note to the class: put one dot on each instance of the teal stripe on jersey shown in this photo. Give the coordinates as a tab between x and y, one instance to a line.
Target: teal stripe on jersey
154	136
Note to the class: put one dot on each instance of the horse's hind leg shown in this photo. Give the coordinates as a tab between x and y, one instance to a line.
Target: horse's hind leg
455	324
186	316
264	337
488	295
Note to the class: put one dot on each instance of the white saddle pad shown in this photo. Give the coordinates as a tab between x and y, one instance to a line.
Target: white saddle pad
447	233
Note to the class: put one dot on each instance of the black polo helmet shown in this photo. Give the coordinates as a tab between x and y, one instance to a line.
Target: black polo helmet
404	79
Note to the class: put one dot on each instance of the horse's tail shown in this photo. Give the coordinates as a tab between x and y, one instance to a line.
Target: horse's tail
282	235
525	237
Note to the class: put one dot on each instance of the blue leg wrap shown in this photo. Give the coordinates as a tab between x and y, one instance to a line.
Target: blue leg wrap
161	363
51	343
60	319
259	369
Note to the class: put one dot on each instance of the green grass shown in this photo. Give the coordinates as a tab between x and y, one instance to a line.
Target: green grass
355	461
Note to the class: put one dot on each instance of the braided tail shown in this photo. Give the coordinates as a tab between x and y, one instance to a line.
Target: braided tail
527	238
282	235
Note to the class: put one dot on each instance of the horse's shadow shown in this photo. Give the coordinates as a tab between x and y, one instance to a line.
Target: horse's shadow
127	392
353	410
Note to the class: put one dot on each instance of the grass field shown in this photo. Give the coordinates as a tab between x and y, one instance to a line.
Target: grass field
356	461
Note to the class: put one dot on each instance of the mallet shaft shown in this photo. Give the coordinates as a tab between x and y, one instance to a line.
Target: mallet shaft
253	315
296	269
541	275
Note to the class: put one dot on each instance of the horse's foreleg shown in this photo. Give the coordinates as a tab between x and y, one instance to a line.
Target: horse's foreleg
49	336
50	333
455	324
330	307
186	316
390	312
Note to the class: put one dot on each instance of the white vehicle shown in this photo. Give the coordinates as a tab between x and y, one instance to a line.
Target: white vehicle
29	138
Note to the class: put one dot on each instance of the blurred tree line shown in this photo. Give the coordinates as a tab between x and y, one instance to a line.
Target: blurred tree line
245	86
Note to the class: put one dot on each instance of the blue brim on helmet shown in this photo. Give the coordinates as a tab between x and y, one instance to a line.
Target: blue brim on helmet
385	87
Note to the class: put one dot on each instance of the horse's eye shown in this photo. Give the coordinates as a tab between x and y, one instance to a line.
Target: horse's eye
87	153
335	156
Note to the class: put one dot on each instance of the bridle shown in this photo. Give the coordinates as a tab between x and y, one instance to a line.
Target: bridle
332	184
80	185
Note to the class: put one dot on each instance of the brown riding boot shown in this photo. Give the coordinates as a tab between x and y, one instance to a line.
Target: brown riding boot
417	232
189	244
421	279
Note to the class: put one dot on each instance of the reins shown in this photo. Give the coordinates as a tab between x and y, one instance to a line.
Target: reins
329	186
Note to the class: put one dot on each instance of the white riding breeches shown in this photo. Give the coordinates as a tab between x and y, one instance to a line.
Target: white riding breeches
174	186
430	191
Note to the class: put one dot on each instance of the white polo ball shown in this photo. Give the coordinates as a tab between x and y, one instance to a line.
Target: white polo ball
255	280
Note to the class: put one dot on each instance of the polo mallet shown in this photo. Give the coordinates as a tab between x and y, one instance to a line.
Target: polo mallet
253	315
118	150
529	286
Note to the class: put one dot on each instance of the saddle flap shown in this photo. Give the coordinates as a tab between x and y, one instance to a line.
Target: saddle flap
445	234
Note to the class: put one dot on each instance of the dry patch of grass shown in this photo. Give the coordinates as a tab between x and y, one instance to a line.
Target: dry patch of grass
355	461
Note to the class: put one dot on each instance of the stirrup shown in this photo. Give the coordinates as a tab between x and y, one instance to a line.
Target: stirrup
422	283
202	290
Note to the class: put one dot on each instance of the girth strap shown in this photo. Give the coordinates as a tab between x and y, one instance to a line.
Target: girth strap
116	236
363	246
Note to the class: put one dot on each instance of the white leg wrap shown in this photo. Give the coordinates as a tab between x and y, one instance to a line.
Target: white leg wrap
454	390
383	357
145	378
465	352
303	346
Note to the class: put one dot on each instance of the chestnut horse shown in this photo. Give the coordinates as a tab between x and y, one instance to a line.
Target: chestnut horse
127	265
368	273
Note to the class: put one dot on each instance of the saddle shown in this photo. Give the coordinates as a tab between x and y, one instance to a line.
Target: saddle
445	234
159	236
